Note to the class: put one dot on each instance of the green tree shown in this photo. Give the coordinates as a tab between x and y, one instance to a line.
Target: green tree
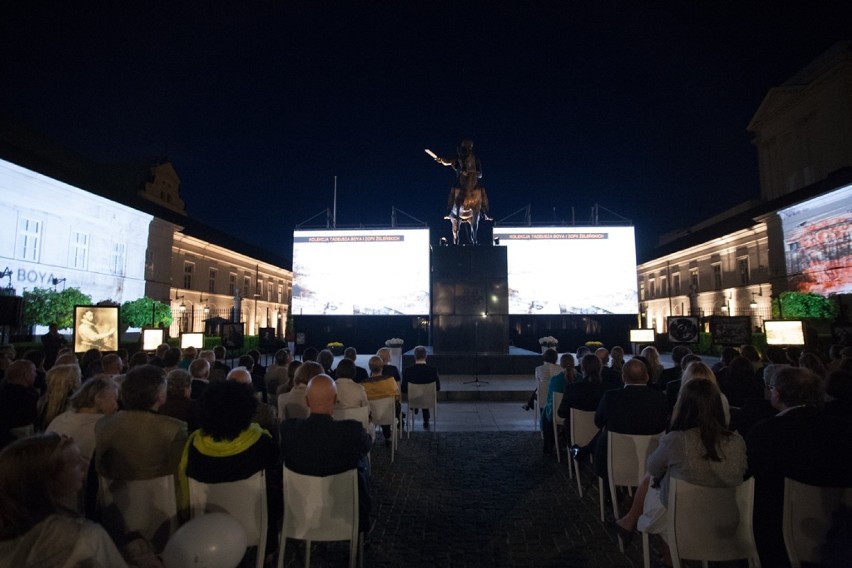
145	311
43	306
799	305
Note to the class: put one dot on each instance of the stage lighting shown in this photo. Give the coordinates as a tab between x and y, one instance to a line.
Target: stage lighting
496	241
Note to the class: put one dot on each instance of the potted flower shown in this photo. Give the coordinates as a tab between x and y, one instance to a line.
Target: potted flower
335	347
394	342
548	342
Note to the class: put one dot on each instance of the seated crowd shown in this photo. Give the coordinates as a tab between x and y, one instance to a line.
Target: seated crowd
185	414
785	415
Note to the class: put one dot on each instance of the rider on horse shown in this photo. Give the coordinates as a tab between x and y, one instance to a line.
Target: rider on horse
469	171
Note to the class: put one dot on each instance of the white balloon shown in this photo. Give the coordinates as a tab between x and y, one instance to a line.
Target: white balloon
214	540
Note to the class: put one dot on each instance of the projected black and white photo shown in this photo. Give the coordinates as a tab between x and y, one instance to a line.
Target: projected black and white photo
545	276
95	327
361	272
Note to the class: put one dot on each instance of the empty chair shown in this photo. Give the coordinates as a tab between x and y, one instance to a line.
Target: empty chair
583	430
626	458
808	511
422	396
384	414
557	421
146	506
245	500
711	523
321	509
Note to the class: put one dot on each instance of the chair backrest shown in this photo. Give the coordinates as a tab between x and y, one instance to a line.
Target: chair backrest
583	427
711	523
557	401
383	411
321	508
245	500
146	506
541	397
808	511
422	396
627	455
361	414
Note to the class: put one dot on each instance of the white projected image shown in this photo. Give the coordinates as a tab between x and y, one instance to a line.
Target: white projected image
571	270
361	272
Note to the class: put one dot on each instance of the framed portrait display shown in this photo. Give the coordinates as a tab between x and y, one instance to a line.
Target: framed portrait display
192	339
683	329
95	327
784	332
153	338
734	330
233	335
642	335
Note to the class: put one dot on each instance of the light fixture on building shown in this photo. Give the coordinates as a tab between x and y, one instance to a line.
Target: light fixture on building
724	308
182	306
202	299
753	303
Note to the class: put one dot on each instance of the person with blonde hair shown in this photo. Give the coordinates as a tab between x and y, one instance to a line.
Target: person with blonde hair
96	398
655	367
37	474
62	381
293	404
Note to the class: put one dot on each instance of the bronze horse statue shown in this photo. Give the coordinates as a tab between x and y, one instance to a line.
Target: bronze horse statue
468	199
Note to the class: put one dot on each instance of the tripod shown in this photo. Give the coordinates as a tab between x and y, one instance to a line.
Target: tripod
476	380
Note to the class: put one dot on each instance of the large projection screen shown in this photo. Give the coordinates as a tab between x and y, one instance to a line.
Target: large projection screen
817	243
570	270
361	272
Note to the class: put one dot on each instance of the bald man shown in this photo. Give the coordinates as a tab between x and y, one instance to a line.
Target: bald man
319	445
636	409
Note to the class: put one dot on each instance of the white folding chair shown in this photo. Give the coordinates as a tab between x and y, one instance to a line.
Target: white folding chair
384	414
808	511
557	421
626	458
422	397
146	506
321	509
360	413
245	500
711	523
583	430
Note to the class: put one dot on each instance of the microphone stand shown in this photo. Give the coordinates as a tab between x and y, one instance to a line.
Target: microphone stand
476	380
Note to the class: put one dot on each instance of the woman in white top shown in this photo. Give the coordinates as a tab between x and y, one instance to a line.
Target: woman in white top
96	398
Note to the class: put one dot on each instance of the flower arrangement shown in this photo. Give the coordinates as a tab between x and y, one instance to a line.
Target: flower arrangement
334	345
394	342
548	341
594	344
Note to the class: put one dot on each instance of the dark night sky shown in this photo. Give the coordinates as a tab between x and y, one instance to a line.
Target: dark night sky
260	104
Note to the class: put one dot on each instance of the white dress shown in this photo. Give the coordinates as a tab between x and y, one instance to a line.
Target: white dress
80	426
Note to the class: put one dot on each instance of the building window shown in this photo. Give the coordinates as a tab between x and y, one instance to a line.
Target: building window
717	276
280	293
693	279
259	287
641	291
232	284
29	239
742	268
676	283
188	268
652	288
664	283
211	280
118	260
246	286
79	251
269	290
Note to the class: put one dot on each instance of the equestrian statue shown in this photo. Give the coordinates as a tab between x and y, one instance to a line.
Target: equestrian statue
468	199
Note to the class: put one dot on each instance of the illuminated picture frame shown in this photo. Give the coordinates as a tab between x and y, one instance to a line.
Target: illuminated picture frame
784	332
95	327
153	338
642	335
683	329
733	330
192	339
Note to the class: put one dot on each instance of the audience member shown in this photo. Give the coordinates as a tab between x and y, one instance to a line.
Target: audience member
37	357
699	449
673	373
309	354
360	372
159	353
178	403
838	391
388	370
90	363
420	374
112	365
834	357
292	404
62	381
326	359
18	398
218	369
635	409
585	394
557	383
189	355
740	382
258	382
321	446
610	376
38	474
673	387
655	366
617	360
379	386
276	373
138	358
812	362
258	368
755	410
728	354
52	341
349	393
199	372
137	442
800	442
171	359
266	414
543	372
